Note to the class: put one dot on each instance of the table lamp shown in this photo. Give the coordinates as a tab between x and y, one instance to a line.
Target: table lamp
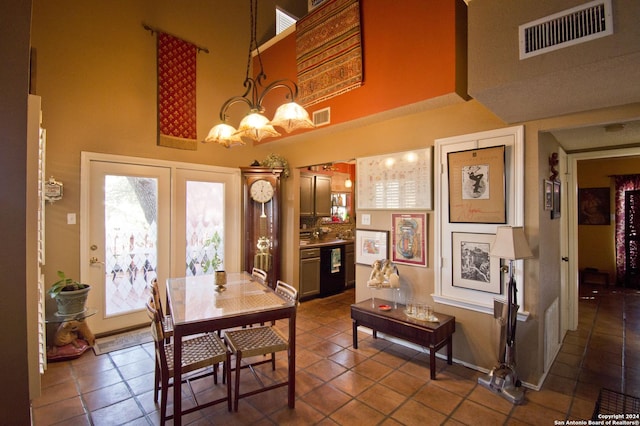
510	244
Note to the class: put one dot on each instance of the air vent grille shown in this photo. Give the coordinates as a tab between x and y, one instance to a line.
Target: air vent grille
573	26
283	20
322	116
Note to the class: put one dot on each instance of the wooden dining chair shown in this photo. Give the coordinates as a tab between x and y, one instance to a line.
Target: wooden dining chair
259	275
203	352
165	319
250	342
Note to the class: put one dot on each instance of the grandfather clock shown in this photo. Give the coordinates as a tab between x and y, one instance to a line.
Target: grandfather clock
261	227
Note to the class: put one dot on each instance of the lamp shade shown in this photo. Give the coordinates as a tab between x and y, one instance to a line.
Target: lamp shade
510	243
291	116
256	127
223	134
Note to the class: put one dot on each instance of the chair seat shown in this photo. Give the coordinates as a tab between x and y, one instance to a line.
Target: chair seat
198	352
256	341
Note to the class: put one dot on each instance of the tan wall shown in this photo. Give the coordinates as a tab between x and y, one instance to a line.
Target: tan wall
596	243
96	73
586	76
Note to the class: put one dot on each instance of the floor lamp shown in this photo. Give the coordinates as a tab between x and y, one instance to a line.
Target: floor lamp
510	244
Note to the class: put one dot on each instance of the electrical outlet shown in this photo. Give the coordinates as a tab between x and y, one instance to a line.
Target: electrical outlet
366	219
71	218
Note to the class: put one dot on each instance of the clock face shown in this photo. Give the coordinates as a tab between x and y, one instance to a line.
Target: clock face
261	191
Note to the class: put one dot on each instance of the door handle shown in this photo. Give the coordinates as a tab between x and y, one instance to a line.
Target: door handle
93	260
565	259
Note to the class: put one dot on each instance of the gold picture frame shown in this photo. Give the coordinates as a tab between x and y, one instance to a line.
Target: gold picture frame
477	185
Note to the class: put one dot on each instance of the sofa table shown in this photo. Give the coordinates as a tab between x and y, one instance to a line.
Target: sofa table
394	322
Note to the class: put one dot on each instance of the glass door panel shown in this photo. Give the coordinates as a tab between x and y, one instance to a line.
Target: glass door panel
206	231
131	238
127	243
204	228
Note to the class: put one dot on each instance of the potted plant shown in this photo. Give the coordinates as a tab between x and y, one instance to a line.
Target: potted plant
70	295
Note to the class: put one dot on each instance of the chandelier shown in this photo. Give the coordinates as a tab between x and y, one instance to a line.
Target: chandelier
255	126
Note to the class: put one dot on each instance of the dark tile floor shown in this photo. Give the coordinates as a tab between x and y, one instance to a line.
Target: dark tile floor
380	383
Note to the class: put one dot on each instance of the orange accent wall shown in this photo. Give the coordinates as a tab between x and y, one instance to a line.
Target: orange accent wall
409	55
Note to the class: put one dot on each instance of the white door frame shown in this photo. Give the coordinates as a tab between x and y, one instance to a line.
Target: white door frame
572	210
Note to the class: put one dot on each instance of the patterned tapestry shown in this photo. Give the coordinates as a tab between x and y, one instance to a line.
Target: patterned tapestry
328	51
176	92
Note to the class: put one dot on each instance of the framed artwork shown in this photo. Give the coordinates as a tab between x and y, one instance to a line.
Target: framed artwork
548	195
473	268
409	239
371	246
594	206
477	186
555	212
397	181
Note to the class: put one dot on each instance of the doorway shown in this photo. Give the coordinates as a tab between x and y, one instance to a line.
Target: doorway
147	219
573	165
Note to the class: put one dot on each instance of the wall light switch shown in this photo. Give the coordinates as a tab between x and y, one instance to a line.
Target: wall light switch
366	219
71	218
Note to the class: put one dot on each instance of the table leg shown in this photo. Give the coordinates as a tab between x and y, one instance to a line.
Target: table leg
177	378
292	361
355	334
450	350
432	361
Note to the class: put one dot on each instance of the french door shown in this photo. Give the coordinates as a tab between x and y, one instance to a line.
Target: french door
145	220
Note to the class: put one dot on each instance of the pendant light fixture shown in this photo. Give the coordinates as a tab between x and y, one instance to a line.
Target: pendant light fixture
255	126
348	183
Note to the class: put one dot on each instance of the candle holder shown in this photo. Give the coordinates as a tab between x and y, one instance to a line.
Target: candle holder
220	280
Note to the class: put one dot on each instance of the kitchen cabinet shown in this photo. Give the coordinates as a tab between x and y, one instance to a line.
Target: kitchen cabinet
309	272
350	265
315	195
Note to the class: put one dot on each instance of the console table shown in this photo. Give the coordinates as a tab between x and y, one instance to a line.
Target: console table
394	322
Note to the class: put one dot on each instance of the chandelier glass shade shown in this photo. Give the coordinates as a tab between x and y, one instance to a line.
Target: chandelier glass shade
255	126
291	116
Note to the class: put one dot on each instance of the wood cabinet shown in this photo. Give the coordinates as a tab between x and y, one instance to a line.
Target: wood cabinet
315	195
307	203
309	272
350	265
261	224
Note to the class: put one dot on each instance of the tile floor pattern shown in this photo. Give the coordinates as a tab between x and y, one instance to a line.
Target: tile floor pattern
380	383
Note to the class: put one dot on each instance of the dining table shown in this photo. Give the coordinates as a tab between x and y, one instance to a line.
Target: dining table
198	305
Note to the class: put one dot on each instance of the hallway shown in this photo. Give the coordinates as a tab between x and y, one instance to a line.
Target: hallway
380	383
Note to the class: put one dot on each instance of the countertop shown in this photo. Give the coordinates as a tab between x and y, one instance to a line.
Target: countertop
324	243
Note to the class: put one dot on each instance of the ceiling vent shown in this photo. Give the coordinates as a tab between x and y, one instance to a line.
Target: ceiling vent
572	26
283	20
322	116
